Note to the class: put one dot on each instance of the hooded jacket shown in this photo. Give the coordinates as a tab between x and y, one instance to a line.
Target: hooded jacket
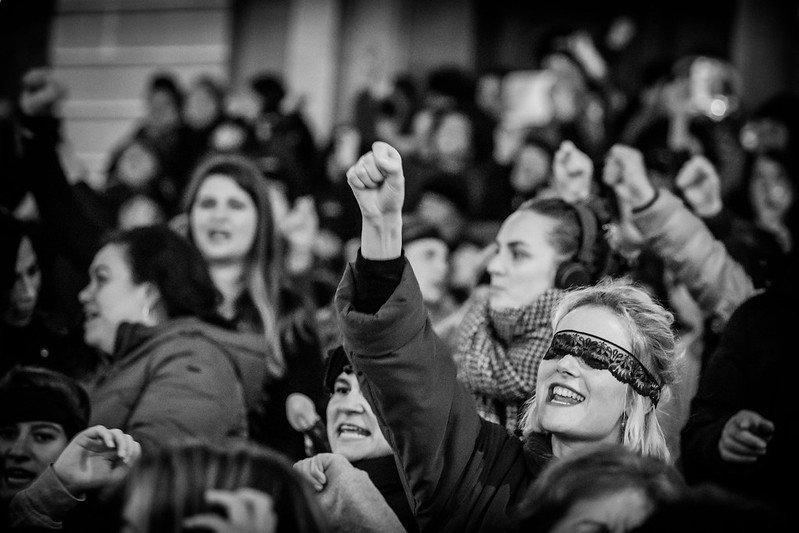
462	473
182	379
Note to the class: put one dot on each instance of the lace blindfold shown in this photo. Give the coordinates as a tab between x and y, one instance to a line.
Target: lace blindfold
602	354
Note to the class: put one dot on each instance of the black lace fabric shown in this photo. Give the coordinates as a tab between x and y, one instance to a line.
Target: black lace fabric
602	354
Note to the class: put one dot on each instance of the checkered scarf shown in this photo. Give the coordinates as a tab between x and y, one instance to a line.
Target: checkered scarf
499	352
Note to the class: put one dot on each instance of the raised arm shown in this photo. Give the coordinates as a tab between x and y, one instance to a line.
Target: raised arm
66	221
405	370
378	184
716	281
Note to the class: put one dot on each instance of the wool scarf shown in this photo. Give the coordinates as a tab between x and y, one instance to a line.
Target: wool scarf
499	352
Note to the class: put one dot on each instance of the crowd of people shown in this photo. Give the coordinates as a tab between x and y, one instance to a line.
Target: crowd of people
496	301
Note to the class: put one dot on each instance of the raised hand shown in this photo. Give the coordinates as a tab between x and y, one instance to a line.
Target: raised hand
745	437
313	468
626	173
247	510
572	172
701	186
347	496
41	93
378	184
97	458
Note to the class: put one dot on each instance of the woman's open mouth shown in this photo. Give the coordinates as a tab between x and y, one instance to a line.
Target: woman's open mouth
561	395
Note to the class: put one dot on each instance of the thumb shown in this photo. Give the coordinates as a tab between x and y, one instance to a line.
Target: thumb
388	159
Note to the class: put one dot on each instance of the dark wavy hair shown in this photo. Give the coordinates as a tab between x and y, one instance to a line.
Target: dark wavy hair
68	400
158	255
586	474
169	485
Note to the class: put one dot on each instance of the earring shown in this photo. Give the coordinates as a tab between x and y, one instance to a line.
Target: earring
146	311
623	426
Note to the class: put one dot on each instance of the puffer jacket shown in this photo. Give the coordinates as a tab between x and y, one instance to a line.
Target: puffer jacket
182	379
462	473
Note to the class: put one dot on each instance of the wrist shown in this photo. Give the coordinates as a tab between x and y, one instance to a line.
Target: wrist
72	488
644	200
381	237
708	210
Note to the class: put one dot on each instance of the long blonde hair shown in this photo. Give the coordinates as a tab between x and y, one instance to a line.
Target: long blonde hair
652	340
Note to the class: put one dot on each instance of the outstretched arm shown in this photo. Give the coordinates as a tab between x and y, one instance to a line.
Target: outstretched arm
67	222
406	371
716	281
378	184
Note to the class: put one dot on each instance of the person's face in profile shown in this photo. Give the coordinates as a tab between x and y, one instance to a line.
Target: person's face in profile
577	403
26	450
25	291
524	262
111	297
223	219
352	428
429	259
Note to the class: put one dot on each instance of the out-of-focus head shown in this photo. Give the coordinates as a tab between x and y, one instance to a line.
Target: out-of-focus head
532	166
204	102
508	140
611	361
452	136
774	125
164	101
772	186
352	427
488	91
230	212
42	410
137	164
144	275
449	87
624	488
169	485
231	135
428	254
20	273
269	89
444	203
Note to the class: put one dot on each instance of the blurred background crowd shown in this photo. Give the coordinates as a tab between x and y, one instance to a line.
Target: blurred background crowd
219	132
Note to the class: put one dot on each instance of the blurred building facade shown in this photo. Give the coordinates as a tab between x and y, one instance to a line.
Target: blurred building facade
328	50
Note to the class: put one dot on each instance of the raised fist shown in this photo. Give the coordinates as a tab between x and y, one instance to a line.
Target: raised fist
377	182
626	173
572	172
701	186
41	93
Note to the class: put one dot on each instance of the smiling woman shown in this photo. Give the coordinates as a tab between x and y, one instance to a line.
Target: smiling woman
611	361
150	307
